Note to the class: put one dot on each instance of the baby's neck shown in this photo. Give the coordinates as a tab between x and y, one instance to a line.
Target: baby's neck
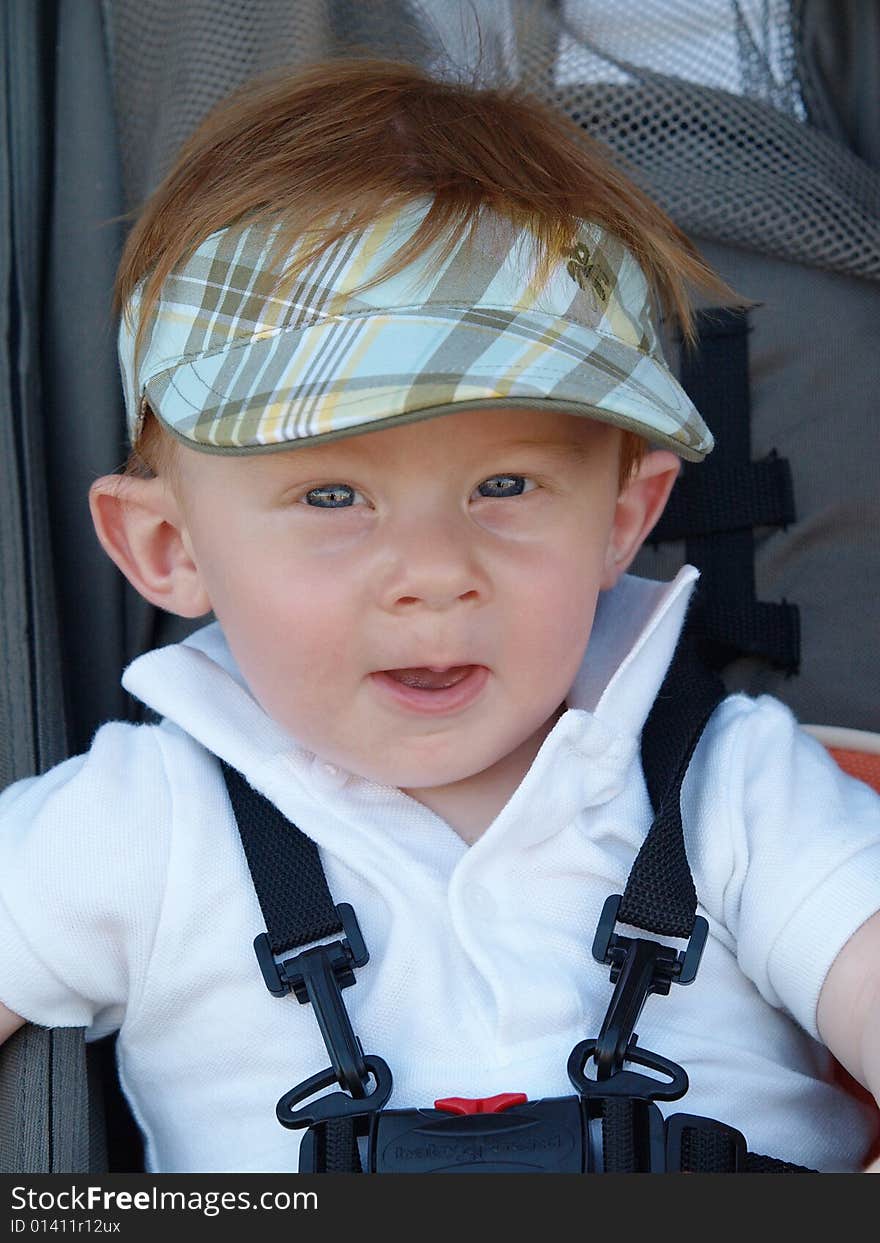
470	806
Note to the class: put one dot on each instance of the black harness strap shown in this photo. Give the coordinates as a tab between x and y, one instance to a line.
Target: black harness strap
703	1146
298	909
757	1164
286	869
619	1148
337	1147
659	893
716	1149
714	506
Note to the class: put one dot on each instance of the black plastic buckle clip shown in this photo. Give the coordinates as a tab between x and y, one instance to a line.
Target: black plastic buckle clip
318	975
600	1101
628	1083
639	967
334	1104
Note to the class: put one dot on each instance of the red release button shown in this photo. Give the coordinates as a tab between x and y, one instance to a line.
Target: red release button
481	1104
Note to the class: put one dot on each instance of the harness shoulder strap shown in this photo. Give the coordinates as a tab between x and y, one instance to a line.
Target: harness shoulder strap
659	894
298	909
285	867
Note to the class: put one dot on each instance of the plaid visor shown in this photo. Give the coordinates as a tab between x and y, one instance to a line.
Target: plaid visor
230	364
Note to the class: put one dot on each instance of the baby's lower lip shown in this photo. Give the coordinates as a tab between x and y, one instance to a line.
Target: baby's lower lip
433	702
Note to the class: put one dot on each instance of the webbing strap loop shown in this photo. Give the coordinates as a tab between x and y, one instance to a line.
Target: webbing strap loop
740	497
715	505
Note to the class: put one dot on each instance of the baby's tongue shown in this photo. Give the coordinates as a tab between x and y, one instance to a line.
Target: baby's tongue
429	679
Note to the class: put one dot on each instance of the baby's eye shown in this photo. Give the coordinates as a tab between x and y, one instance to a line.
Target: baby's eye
331	496
505	485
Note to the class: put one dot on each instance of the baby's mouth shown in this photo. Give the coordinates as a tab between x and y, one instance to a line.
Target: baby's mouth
425	679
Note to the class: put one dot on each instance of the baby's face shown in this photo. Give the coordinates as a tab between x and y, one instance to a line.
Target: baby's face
411	604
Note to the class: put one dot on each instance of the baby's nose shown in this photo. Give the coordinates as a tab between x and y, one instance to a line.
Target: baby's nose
437	566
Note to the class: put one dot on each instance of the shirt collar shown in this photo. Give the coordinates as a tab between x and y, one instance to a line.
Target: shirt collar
634	635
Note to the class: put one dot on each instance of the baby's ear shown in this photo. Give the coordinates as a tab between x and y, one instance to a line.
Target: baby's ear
141	527
639	506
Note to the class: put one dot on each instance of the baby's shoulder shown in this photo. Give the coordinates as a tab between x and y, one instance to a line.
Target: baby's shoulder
756	751
124	782
86	857
754	728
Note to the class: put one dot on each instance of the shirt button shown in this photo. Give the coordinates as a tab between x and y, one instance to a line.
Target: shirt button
328	777
480	901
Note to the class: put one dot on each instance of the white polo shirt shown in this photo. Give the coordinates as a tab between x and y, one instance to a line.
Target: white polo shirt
125	902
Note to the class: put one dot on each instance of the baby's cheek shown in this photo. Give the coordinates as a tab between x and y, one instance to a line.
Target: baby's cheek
566	605
326	651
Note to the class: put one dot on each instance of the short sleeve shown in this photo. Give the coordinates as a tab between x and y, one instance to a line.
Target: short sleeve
790	850
83	861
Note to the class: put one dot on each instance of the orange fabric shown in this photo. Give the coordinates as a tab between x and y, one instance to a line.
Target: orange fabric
860	764
865	767
845	1079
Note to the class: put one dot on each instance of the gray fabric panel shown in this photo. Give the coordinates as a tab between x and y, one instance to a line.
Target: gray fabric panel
98	1158
44	1104
31	702
35	644
25	1086
43	1087
83	419
838	44
29	155
16	706
72	1143
814	380
104	622
81	606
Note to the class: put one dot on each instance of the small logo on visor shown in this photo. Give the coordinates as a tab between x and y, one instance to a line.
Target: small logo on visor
584	269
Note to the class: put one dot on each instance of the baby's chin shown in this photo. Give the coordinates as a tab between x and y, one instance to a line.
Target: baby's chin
470	769
453	759
414	778
412	774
